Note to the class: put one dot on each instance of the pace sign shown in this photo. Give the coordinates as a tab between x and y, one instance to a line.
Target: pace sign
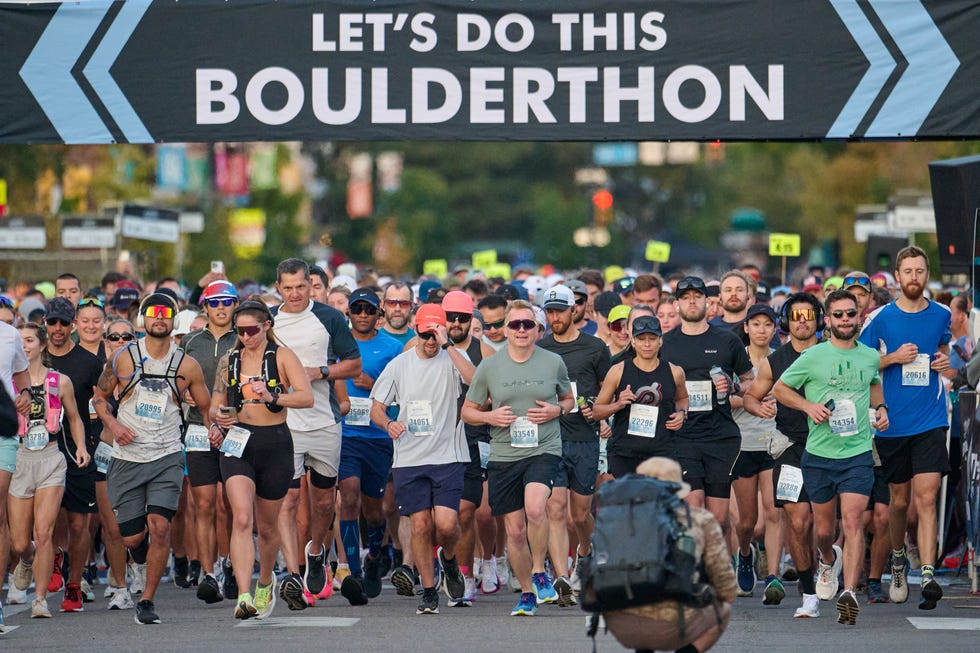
146	71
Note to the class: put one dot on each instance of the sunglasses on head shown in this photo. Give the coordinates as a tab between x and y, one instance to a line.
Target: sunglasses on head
864	282
851	312
519	325
248	330
618	326
91	301
362	307
6	303
428	335
400	303
494	325
159	311
116	337
802	314
223	301
51	321
462	318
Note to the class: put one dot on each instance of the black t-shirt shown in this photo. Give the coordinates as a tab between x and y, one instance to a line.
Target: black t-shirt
790	422
696	355
84	369
587	360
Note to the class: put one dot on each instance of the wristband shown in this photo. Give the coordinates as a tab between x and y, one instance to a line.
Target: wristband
885	406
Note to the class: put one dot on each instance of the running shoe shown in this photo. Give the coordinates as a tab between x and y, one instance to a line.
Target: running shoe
291	591
761	560
23	575
244	607
194	573
527	606
146	614
774	593
57	580
489	581
121	599
875	593
430	602
932	593
582	569
745	573
372	577
353	591
455	584
327	590
181	567
810	608
342	572
315	577
387	560
88	594
39	609
208	590
138	582
898	591
404	580
73	599
827	576
265	599
503	571
847	608
543	588
563	588
789	569
229	585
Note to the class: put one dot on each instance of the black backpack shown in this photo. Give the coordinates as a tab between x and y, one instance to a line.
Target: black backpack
641	550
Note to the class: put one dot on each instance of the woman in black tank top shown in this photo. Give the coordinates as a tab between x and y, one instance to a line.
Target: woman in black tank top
648	398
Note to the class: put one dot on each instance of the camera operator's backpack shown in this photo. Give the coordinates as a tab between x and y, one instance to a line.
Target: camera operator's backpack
642	552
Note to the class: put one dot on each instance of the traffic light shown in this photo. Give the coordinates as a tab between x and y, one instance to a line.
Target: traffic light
602	208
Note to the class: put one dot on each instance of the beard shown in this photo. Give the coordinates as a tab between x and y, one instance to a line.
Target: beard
458	334
159	331
696	316
844	333
912	291
397	321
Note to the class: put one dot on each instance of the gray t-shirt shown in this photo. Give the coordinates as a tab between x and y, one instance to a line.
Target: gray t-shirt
518	385
426	391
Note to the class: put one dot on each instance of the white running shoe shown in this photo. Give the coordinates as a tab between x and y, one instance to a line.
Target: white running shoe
810	608
121	599
14	595
827	576
503	570
489	581
39	609
138	582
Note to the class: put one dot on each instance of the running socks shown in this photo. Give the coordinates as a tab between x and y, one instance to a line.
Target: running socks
351	538
376	535
806	580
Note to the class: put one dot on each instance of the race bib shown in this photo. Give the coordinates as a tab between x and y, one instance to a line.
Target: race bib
37	436
360	412
235	441
843	421
790	483
643	420
523	434
196	438
420	417
151	400
484	448
103	454
699	396
916	372
575	397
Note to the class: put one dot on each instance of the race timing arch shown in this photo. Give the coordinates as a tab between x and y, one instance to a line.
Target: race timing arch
145	71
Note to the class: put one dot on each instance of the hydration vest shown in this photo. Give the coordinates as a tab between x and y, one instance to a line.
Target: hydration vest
270	373
139	374
52	405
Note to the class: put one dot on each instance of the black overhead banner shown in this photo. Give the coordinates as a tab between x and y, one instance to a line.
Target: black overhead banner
210	70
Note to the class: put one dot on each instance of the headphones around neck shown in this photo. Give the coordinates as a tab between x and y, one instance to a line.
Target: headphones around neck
800	298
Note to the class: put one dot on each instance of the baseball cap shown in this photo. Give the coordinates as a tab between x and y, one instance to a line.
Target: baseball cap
219	289
781	290
577	287
647	324
762	292
345	281
856	278
760	308
605	301
364	295
426	287
508	291
123	298
457	301
620	312
28	306
534	283
436	295
691	283
624	286
429	317
833	283
559	297
811	283
60	308
159	299
183	322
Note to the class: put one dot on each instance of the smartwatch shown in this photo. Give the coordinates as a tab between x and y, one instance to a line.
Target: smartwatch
325	371
447	345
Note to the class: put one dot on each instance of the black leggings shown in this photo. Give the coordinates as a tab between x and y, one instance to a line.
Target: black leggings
267	460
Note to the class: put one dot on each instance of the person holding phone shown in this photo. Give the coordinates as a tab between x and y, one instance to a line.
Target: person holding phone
38	482
254	385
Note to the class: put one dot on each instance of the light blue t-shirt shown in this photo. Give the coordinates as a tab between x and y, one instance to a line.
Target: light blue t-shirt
914	393
376	353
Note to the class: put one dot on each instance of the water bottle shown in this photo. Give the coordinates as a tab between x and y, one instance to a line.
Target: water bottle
717	373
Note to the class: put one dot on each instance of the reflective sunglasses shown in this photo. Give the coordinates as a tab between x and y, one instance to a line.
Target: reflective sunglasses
864	282
618	326
494	325
91	301
851	312
462	318
51	321
400	303
116	337
223	301
362	307
522	325
802	314
428	335
159	311
248	330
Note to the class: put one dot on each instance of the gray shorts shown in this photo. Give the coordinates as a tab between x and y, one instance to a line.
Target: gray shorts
37	470
317	450
133	487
